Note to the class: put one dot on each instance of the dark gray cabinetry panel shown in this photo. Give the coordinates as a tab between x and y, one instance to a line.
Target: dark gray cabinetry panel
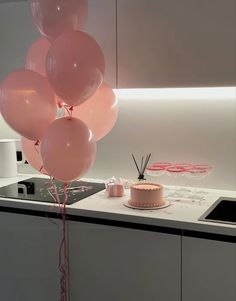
17	33
121	264
176	43
209	270
29	258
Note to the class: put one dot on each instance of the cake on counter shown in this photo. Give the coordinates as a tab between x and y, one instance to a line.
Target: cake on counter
146	195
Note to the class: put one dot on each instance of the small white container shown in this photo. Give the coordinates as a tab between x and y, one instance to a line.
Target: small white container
8	160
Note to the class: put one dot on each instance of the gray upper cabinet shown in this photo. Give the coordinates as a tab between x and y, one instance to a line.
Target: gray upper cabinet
101	25
17	33
176	43
155	43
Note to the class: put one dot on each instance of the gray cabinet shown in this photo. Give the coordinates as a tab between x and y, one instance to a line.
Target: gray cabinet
28	258
209	270
17	33
154	43
122	264
180	43
101	25
110	262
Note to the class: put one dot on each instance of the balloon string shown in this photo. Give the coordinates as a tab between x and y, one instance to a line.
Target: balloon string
63	264
36	146
63	257
69	110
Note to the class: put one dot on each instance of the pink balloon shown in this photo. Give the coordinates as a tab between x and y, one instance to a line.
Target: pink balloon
68	149
99	112
53	17
27	103
36	56
75	66
32	154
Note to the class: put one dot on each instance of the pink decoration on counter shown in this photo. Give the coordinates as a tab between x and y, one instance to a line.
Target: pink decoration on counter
175	169
53	17
75	66
27	103
202	166
99	112
186	166
68	149
161	164
199	170
115	190
32	154
186	169
155	168
36	56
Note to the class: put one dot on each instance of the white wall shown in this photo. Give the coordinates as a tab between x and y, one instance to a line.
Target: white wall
177	125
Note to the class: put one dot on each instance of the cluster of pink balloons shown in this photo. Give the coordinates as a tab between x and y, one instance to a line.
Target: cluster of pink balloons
66	66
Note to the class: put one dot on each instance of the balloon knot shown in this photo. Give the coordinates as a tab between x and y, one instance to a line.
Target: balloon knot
71	108
37	142
66	185
60	104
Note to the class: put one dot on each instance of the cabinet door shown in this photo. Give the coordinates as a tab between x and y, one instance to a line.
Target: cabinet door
120	264
29	258
101	25
209	270
184	43
17	33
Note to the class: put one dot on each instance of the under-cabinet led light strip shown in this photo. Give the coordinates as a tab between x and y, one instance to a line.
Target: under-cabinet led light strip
178	93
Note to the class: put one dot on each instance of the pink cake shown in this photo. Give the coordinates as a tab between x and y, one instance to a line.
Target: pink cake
146	195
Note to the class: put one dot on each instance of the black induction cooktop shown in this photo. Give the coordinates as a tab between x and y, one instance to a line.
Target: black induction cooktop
39	189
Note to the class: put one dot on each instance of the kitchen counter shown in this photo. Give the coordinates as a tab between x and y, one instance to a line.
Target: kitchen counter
182	214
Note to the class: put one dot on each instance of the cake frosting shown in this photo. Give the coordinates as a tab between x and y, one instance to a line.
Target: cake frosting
146	195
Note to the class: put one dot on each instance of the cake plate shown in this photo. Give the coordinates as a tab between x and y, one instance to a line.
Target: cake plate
167	203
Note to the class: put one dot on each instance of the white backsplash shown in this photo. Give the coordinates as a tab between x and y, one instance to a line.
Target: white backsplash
187	129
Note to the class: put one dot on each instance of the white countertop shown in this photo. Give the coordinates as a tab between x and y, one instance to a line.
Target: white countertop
183	213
